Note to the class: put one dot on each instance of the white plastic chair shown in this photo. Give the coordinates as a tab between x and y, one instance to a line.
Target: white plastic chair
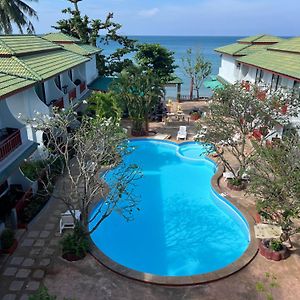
67	220
182	134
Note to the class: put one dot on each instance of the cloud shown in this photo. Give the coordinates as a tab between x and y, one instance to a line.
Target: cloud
148	12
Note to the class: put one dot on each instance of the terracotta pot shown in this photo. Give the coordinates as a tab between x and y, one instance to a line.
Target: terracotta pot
273	255
194	117
12	248
72	257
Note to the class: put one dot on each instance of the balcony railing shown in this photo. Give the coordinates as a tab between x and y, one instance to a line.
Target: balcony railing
10	140
72	94
82	87
59	103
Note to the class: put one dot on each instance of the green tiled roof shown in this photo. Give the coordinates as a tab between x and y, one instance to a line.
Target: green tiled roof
263	38
60	37
24	44
15	67
81	49
252	48
10	83
231	49
279	62
290	45
241	49
46	65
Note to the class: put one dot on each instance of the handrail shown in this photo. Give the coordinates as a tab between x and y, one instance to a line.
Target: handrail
9	144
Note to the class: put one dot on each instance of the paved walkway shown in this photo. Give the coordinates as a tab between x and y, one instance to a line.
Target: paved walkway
23	272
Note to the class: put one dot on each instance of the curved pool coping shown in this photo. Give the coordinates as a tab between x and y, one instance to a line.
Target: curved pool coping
232	268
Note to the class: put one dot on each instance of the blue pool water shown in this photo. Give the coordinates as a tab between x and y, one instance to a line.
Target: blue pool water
183	227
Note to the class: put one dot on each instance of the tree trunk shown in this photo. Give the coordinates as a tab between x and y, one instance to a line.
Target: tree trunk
191	88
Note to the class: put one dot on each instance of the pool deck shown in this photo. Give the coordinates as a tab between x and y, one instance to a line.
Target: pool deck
37	261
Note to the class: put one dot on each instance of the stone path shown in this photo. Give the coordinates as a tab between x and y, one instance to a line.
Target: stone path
23	272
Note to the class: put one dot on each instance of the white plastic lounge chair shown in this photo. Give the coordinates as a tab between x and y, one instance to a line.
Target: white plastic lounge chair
67	220
228	175
182	134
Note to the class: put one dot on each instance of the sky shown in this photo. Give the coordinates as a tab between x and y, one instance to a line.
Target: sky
184	17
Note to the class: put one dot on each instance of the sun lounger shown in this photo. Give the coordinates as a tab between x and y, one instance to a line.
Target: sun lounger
67	220
182	134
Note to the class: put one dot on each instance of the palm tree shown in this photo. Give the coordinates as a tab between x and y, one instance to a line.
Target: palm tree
16	12
75	4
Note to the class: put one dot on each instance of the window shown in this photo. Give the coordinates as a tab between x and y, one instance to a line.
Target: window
57	81
276	82
40	91
259	76
70	74
296	89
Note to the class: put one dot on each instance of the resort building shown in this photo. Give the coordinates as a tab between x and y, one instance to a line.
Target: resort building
264	60
36	74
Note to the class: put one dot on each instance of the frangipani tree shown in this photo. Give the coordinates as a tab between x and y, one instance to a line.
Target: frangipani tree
275	182
236	113
87	150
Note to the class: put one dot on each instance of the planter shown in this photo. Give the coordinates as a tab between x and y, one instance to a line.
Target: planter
234	187
72	257
11	249
271	254
195	117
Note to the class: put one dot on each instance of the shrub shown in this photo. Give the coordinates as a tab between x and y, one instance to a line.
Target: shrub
33	169
7	238
235	181
275	245
76	242
42	294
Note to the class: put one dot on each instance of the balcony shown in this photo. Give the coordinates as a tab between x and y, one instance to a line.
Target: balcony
59	103
10	139
82	87
72	94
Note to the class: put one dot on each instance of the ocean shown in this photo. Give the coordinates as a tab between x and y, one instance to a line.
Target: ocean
179	45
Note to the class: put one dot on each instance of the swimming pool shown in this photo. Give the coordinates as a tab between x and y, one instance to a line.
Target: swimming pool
184	227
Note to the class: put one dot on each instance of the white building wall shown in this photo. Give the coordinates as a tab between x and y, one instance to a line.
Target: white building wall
228	69
52	92
91	71
66	80
27	104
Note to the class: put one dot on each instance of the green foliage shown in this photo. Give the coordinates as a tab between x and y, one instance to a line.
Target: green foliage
34	206
197	69
104	106
278	194
140	90
275	245
234	113
88	31
42	294
7	238
76	242
266	286
32	168
16	12
157	59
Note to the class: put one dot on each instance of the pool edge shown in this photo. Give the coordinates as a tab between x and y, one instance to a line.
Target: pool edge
232	268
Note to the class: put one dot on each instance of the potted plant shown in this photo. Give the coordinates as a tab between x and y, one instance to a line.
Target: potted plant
75	245
236	184
273	249
195	115
8	241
